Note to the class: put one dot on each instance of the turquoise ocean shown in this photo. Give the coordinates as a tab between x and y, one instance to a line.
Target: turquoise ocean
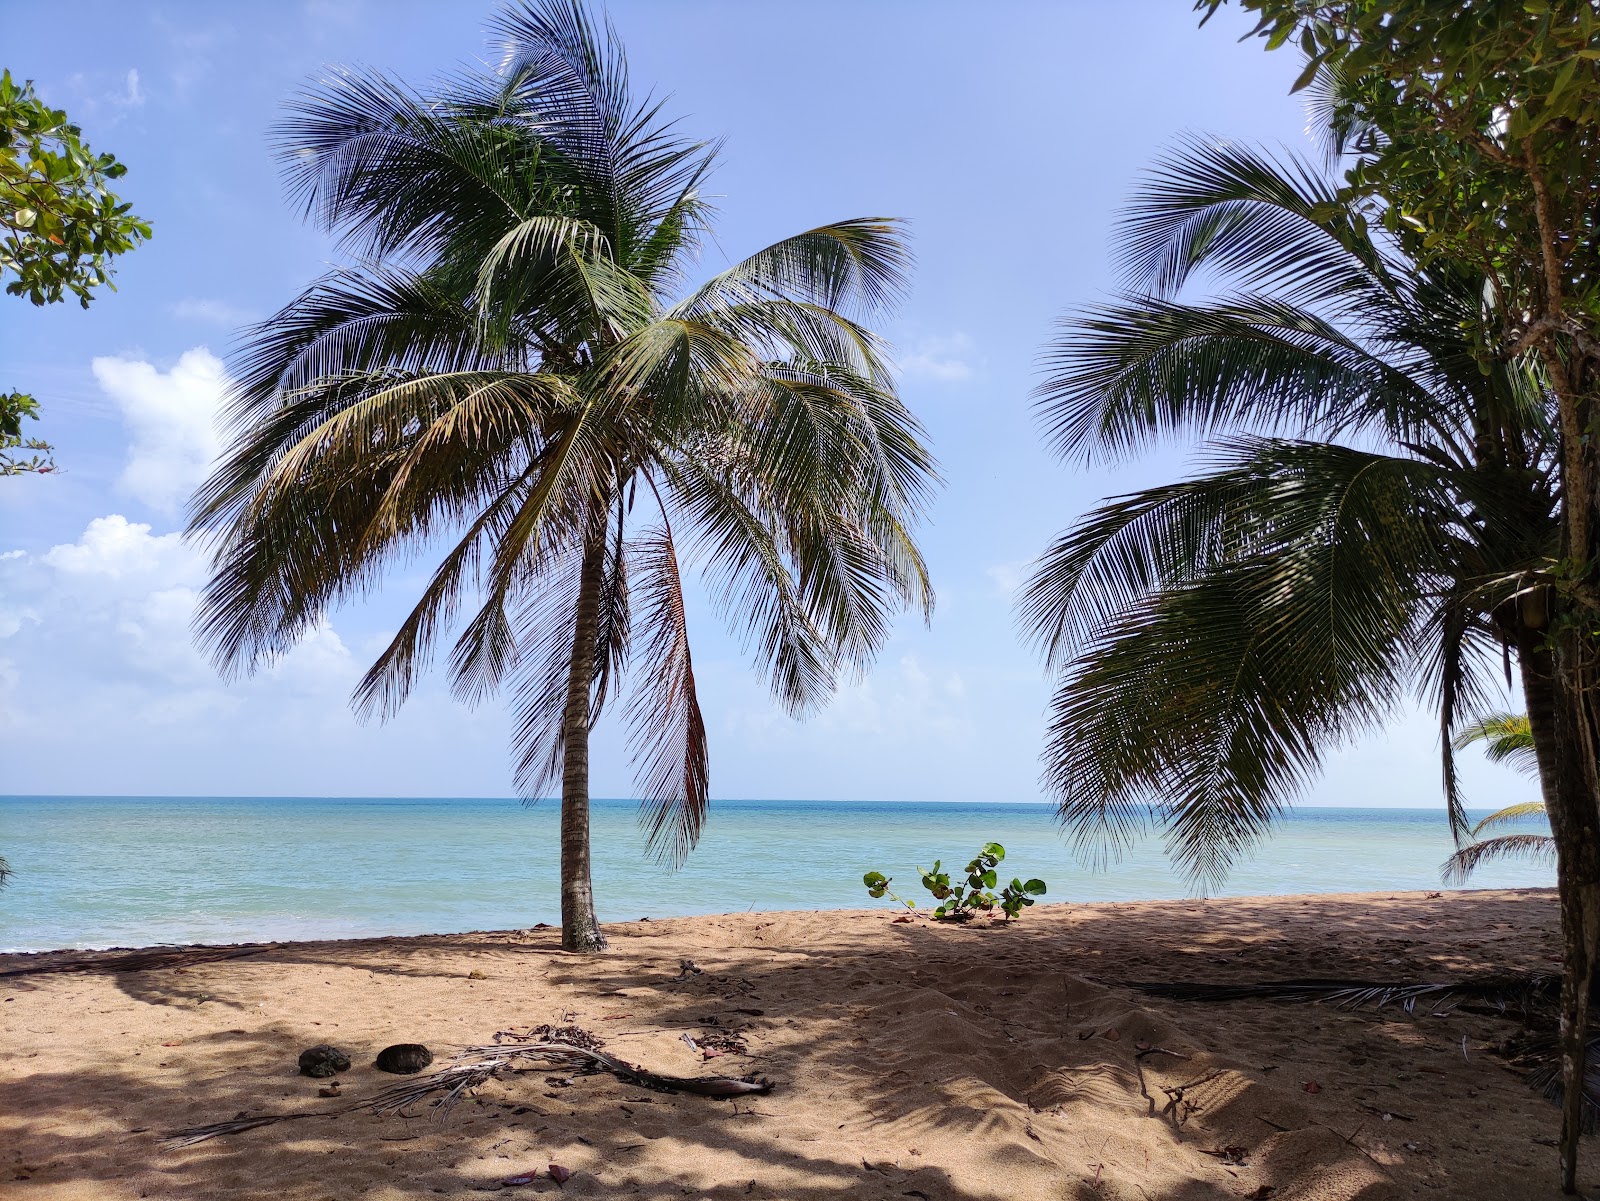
135	871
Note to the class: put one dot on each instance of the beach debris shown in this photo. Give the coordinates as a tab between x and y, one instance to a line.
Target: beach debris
1311	1086
560	1174
521	1178
331	1089
1528	995
322	1061
403	1059
473	1066
1112	1035
686	968
475	974
1231	1154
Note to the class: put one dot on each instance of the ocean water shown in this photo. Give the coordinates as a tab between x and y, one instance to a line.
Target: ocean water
132	871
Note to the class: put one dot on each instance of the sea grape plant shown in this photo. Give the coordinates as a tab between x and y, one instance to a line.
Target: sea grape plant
959	902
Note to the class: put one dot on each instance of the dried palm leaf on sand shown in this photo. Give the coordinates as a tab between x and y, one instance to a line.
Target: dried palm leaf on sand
1532	998
475	1066
1505	995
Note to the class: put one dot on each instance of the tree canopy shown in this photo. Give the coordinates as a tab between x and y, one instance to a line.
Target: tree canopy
61	226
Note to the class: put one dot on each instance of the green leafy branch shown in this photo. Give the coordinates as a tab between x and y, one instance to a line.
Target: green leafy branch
14	406
961	902
62	225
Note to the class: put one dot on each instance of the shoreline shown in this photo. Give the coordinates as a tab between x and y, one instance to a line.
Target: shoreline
952	1063
7	953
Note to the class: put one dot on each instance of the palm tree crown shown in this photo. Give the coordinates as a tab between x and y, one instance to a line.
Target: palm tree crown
1375	490
513	373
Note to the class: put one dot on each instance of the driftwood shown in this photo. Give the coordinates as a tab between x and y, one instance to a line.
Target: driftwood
476	1065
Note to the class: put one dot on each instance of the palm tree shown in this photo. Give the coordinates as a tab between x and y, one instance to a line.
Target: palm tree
1376	516
1507	738
513	375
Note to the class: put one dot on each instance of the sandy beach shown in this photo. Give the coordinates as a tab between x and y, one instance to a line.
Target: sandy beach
909	1060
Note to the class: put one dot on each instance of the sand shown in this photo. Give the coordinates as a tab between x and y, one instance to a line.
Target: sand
909	1061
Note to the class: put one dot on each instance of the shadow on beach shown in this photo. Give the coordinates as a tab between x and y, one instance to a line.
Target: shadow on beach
909	1060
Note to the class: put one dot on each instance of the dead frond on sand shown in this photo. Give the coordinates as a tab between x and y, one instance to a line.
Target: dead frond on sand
474	1066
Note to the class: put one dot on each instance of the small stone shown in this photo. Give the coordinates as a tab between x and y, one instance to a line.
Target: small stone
476	975
323	1060
404	1058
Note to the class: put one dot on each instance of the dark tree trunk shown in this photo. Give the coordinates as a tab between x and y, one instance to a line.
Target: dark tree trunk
1561	718
580	931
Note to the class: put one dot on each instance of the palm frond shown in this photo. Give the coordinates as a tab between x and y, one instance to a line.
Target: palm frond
1124	375
1510	815
666	729
1506	738
1531	848
1263	221
1509	994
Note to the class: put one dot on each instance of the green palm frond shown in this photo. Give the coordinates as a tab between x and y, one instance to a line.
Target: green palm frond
1216	639
1510	815
1506	738
1532	848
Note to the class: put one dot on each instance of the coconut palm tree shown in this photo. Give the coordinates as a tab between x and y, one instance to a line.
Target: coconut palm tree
1371	499
1507	738
1376	516
513	375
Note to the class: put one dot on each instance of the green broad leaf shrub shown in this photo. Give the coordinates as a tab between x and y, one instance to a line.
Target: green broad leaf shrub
962	901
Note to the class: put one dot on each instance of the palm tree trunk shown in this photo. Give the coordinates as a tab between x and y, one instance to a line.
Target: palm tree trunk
580	930
1561	718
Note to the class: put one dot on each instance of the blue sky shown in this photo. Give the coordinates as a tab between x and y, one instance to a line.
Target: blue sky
1007	134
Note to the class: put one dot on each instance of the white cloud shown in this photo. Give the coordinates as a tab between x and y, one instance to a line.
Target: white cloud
1008	577
171	420
133	97
941	359
214	312
106	622
102	689
116	547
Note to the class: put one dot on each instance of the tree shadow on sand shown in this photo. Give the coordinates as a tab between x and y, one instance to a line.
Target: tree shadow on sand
910	1060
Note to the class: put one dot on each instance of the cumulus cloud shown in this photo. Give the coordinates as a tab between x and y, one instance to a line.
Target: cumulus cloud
171	421
102	690
105	621
940	359
116	547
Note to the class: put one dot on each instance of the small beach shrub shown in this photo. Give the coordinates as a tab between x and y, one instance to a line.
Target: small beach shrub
959	902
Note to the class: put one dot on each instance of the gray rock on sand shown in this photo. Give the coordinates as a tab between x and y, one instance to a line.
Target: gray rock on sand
323	1060
404	1058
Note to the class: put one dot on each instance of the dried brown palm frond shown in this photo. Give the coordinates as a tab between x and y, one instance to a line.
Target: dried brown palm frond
1539	1055
475	1066
1522	994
